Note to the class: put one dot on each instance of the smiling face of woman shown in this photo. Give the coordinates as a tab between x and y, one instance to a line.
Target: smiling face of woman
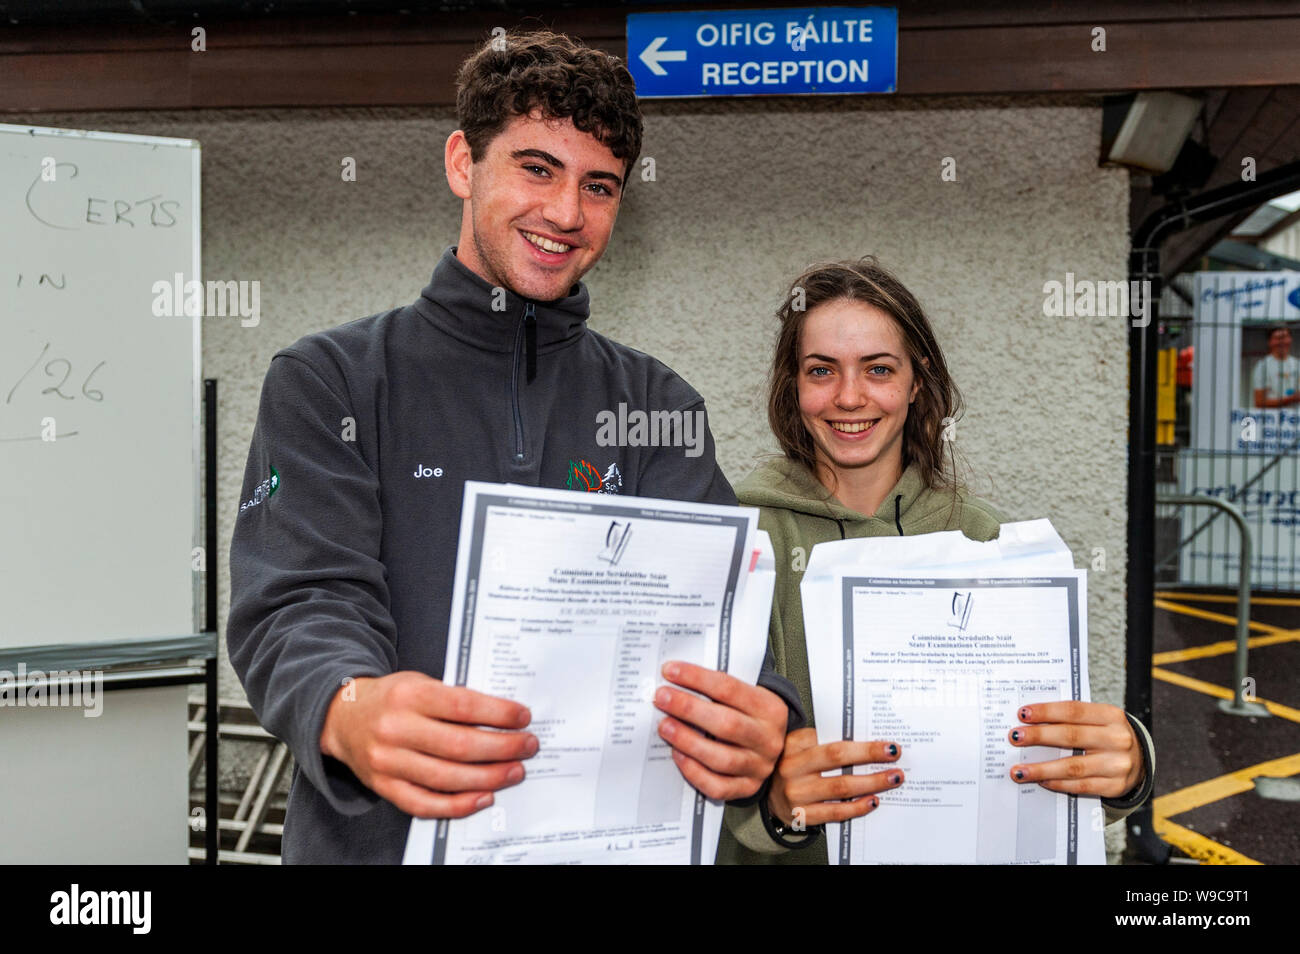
855	385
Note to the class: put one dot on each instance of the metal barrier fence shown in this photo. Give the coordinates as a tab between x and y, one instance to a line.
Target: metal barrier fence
1229	429
1241	703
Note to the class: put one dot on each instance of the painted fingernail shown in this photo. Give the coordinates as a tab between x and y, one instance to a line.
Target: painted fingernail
1024	714
1015	736
875	802
1020	775
896	778
892	750
483	802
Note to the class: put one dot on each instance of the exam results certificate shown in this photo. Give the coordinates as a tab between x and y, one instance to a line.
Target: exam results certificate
940	661
570	604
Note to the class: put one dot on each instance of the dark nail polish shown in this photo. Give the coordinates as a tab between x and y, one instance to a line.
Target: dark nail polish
1015	736
1020	776
893	749
1024	713
875	802
895	779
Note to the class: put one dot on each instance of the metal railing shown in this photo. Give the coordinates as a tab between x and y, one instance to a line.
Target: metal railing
259	796
1239	704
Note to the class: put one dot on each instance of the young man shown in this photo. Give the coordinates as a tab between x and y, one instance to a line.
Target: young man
343	553
1275	381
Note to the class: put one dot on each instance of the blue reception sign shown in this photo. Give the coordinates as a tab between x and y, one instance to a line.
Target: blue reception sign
753	52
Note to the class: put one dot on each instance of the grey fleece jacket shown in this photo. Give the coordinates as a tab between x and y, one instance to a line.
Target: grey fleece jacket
344	547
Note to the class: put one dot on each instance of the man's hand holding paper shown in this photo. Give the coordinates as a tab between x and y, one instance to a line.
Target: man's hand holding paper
581	606
744	725
420	743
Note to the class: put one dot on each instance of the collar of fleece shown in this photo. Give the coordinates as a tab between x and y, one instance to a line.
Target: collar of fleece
781	482
460	303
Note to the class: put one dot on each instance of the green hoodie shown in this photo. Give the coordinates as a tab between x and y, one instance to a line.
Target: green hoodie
798	513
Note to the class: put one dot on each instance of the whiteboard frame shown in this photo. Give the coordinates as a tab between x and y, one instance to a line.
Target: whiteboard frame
196	396
196	407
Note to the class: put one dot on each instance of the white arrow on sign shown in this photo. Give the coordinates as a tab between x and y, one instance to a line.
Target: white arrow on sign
652	56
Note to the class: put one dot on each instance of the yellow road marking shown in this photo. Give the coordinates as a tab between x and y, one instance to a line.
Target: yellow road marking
1225	786
1198	846
1210	689
1220	649
1234	783
1226	598
1214	617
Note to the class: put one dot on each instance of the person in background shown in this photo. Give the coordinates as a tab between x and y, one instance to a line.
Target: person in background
1275	380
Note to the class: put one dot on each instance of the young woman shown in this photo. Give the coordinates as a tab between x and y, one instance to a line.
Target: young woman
860	398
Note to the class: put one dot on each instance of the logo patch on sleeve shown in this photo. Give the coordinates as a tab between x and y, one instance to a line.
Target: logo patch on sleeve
263	491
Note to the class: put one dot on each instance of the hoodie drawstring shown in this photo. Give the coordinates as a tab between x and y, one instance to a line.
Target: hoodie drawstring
840	524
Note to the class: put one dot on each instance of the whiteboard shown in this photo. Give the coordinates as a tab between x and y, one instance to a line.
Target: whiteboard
99	396
122	796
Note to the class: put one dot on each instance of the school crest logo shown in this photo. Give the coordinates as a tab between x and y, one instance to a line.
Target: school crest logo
583	476
264	491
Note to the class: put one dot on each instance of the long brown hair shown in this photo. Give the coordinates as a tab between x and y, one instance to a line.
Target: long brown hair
938	401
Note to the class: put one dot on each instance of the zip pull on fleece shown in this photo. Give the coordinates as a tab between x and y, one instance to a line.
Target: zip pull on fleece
530	342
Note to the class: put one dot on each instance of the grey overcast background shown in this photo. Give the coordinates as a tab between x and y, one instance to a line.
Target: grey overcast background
747	193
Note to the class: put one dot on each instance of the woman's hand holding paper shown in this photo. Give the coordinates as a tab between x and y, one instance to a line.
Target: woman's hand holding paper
1111	763
802	797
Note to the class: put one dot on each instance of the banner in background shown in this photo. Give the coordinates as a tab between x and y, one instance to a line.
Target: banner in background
1240	452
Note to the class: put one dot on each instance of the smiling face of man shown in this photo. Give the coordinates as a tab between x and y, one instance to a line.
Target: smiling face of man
1279	343
540	204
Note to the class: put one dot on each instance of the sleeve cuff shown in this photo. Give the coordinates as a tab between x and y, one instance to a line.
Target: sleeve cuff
746	824
784	688
750	827
785	839
751	823
1119	807
774	682
332	778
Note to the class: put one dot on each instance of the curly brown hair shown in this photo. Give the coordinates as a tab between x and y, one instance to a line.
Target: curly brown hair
522	71
938	400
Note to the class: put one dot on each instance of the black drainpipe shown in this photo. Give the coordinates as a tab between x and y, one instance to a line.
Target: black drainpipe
1144	265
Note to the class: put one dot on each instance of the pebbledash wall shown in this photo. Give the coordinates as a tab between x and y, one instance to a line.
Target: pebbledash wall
746	193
